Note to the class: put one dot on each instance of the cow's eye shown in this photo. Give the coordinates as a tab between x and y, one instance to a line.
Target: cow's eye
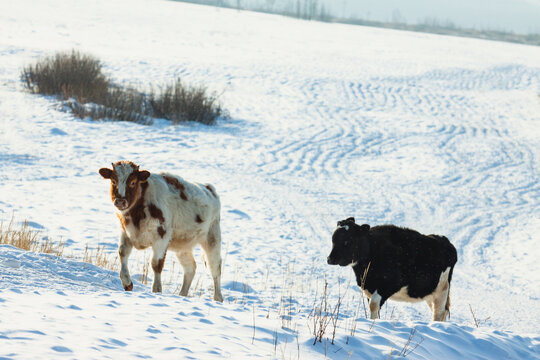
132	183
113	182
345	243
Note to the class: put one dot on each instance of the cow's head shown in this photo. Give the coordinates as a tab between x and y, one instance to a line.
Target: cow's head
126	179
350	243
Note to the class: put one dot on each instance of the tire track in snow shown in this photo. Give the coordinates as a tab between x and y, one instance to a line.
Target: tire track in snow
444	114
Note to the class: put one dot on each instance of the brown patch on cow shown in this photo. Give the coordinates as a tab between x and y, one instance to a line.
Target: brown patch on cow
127	162
177	185
211	240
114	185
131	192
129	287
123	221
156	213
137	211
159	266
211	190
161	231
198	219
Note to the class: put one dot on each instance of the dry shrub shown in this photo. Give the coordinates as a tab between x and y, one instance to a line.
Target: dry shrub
78	79
121	104
179	103
68	75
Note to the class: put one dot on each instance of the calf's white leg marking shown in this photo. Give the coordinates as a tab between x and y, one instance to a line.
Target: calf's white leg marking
188	264
212	248
124	249
374	305
159	250
437	300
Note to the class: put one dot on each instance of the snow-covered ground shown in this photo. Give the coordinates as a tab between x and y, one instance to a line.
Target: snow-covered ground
435	133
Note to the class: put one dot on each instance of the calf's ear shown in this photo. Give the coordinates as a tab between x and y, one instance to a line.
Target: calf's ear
346	221
106	173
143	175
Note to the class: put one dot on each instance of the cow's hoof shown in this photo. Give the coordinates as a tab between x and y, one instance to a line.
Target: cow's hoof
129	287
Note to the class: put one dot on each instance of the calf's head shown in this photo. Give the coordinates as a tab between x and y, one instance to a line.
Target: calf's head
350	243
126	180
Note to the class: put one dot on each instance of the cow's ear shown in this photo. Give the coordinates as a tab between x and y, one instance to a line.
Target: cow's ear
346	221
365	228
106	173
143	175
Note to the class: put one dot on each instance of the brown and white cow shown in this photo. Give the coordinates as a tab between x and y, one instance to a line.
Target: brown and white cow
165	212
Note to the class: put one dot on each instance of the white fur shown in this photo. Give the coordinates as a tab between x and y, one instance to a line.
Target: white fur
436	300
122	172
374	305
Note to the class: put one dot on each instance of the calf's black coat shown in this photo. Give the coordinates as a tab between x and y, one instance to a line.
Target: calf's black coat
396	257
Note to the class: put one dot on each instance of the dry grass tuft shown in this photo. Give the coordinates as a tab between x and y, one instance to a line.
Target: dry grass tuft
99	258
24	237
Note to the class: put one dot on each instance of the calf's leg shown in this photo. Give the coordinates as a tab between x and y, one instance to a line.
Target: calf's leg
212	248
124	249
188	264
159	250
375	305
439	301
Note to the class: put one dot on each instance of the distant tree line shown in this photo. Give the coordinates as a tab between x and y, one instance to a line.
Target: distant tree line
313	10
301	9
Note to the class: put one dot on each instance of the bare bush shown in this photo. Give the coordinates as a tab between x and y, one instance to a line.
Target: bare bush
68	75
78	79
121	104
179	103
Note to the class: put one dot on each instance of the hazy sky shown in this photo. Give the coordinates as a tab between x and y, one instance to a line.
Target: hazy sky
521	16
517	15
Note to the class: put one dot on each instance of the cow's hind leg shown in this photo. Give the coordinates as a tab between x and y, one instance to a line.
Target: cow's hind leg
188	264
159	250
375	304
439	301
124	249
212	248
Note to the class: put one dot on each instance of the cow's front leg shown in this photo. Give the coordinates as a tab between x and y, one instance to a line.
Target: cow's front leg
159	249
124	249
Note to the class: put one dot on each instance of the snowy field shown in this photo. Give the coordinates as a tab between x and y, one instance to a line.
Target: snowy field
327	121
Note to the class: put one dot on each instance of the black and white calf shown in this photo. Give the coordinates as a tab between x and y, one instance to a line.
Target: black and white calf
396	263
165	212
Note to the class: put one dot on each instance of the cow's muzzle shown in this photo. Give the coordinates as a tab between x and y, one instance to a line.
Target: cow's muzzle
331	261
121	204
